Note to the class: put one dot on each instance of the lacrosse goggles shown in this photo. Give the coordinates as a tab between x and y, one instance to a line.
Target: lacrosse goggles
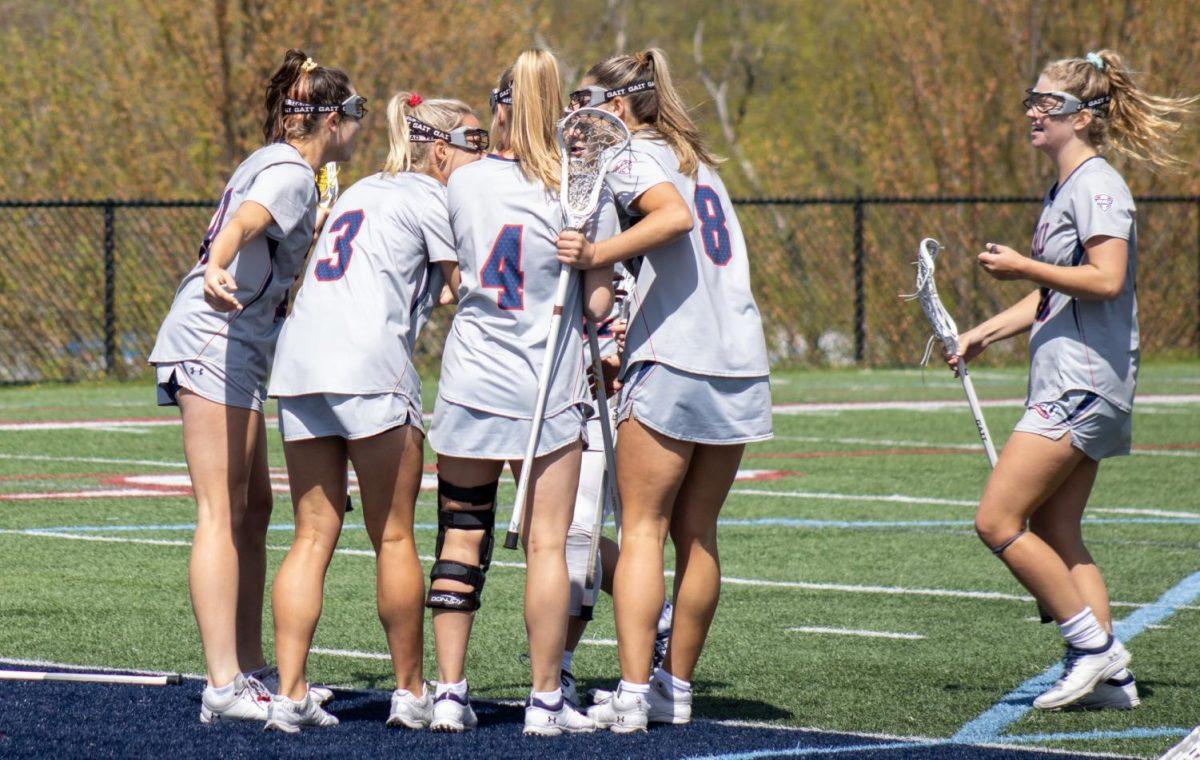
354	106
474	140
1060	103
499	96
590	97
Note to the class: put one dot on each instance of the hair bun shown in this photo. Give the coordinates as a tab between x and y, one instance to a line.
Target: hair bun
415	100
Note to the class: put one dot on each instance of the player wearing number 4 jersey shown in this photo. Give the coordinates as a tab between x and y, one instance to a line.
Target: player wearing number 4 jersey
695	385
347	389
212	355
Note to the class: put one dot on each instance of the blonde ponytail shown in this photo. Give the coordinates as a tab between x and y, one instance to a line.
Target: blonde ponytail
404	155
529	130
1135	123
660	108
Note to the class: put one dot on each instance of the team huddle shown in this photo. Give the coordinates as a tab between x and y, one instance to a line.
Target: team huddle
467	217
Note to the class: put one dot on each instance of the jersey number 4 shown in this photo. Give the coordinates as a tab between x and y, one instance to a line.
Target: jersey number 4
502	270
713	231
334	267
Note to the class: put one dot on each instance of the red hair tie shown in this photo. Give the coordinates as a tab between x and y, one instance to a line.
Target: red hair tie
415	100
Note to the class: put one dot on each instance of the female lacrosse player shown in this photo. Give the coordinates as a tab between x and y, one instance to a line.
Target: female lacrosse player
1083	358
213	352
506	217
695	390
348	389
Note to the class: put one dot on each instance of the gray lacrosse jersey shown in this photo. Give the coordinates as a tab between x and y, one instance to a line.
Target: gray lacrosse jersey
367	291
692	308
276	177
505	229
1077	344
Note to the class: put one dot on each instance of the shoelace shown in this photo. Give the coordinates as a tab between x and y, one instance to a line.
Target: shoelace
256	687
1071	657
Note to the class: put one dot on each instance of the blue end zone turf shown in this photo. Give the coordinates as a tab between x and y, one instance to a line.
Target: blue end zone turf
95	720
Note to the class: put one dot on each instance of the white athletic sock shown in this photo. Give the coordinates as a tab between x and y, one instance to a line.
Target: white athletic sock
1122	675
664	617
568	658
548	697
674	685
1084	631
458	689
222	691
625	687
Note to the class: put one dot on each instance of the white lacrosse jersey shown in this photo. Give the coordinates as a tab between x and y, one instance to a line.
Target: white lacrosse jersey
367	291
505	228
241	342
692	308
1085	344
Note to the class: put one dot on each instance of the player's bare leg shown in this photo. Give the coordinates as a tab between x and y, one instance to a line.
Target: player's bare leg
317	473
697	563
553	484
389	467
252	558
650	470
219	444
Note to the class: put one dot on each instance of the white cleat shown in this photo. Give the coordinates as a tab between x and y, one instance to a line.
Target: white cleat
1188	749
269	678
248	701
452	714
288	715
668	707
542	719
619	712
1110	695
409	710
570	691
1082	670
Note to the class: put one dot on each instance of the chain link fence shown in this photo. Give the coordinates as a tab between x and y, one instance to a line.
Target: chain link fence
85	284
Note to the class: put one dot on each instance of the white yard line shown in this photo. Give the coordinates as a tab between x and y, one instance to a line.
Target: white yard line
1137	451
599	642
853	632
354	653
93	460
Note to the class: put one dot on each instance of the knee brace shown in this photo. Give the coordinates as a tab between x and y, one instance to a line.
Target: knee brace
1000	549
482	519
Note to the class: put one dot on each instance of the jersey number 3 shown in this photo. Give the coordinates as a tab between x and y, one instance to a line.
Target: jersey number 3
333	268
502	270
713	231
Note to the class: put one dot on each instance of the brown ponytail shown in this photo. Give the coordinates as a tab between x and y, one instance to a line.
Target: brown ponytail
299	78
1134	122
661	107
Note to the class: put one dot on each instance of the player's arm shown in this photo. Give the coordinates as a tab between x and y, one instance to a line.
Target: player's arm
248	223
598	297
1099	277
1014	320
664	217
451	279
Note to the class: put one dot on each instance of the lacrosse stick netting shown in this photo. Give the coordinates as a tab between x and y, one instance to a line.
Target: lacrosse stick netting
946	331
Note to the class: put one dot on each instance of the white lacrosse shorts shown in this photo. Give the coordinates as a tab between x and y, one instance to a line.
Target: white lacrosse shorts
697	408
321	415
208	381
1097	427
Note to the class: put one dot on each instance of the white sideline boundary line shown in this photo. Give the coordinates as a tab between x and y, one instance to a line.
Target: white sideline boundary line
728	580
854	632
1137	451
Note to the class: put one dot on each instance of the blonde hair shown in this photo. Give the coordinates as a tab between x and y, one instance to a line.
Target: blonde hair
1134	122
529	130
661	107
404	155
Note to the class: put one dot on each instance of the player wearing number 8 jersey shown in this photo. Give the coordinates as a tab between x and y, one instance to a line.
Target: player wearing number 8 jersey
695	386
347	389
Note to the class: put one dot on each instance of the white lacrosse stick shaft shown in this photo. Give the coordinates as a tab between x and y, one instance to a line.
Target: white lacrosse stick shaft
610	464
976	412
30	675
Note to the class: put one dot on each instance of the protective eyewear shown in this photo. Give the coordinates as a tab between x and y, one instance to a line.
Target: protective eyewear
501	96
590	97
467	138
354	106
1060	103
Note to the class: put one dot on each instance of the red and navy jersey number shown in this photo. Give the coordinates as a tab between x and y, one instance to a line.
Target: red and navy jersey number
714	233
333	268
502	270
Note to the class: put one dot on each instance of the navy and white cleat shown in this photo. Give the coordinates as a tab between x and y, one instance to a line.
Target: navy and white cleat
1082	670
1111	694
570	691
249	700
269	677
289	716
619	712
542	719
452	714
667	706
409	710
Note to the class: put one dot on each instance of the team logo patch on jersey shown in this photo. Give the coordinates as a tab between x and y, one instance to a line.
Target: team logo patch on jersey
624	166
1104	201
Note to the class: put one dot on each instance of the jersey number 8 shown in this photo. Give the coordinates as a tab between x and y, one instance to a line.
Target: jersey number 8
713	231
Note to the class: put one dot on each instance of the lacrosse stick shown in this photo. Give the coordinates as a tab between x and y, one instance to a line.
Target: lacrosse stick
946	331
609	486
588	140
30	675
327	185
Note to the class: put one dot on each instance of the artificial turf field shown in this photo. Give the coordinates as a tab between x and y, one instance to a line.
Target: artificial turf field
858	601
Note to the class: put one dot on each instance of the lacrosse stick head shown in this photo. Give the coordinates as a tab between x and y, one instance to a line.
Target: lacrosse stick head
944	329
327	184
588	140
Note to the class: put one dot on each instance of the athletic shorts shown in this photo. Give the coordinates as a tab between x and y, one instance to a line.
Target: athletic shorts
320	415
460	431
1097	427
697	408
208	381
